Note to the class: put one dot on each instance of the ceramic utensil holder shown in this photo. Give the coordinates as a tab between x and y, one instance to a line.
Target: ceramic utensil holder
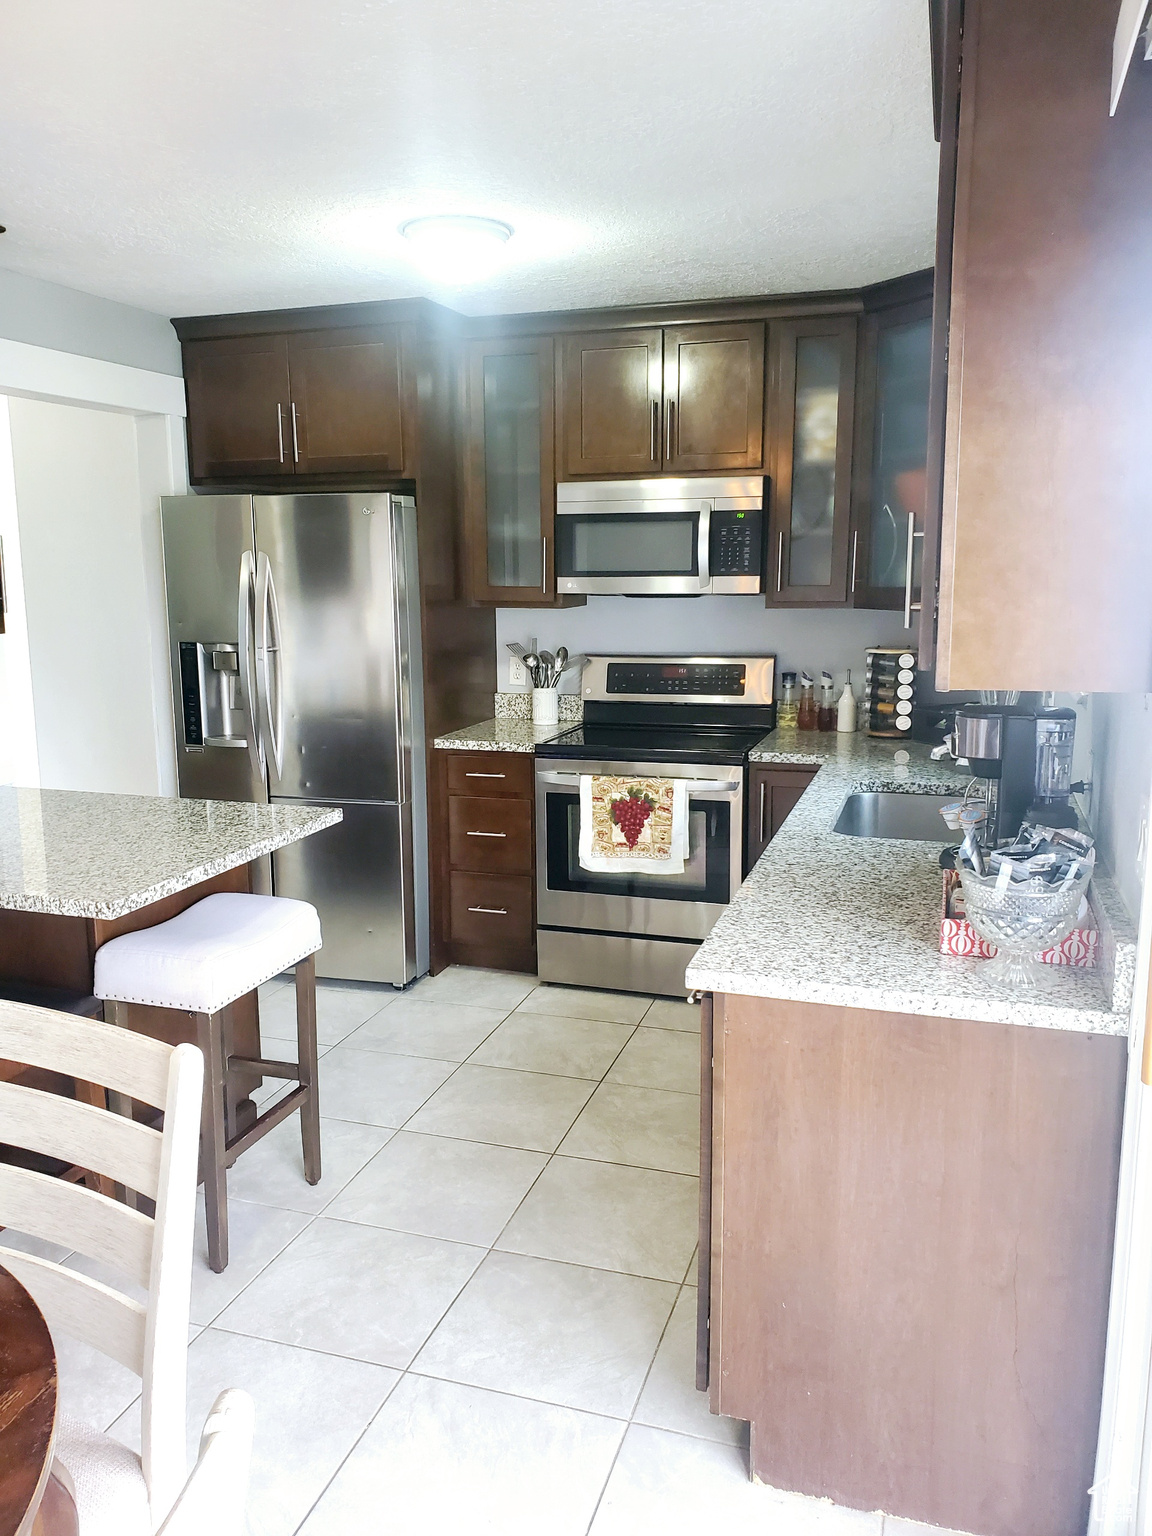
545	706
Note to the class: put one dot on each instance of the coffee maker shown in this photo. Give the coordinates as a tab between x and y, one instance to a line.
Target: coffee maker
1024	757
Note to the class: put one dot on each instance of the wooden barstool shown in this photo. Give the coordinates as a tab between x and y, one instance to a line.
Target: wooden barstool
198	962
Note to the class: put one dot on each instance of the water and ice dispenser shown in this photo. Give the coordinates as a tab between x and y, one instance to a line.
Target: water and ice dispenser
211	699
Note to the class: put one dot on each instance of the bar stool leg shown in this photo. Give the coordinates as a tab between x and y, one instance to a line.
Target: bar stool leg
306	1056
210	1036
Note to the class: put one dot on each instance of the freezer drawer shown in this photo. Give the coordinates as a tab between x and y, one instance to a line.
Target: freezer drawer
358	876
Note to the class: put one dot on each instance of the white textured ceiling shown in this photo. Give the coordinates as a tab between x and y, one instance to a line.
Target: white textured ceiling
190	156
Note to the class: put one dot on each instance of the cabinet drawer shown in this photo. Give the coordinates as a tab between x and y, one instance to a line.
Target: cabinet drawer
491	836
491	911
490	773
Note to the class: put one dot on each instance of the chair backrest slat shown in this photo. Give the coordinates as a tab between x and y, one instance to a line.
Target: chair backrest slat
78	1218
86	1309
83	1048
81	1134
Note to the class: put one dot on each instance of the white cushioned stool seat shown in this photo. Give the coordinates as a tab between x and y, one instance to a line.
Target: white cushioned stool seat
208	955
107	1481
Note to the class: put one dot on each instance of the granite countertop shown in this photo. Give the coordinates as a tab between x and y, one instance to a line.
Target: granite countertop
854	922
502	735
88	855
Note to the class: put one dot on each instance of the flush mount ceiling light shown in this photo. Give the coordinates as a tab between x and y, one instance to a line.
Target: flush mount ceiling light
456	247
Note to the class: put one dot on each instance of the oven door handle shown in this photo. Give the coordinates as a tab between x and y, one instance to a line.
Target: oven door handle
695	786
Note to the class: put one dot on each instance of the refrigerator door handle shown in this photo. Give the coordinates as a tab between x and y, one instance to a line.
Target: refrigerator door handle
245	637
404	743
269	689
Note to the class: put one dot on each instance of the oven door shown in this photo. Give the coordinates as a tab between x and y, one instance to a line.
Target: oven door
655	906
642	548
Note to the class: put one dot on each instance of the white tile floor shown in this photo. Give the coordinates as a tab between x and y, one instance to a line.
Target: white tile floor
482	1320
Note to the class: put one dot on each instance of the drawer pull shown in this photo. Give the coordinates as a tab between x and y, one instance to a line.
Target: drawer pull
470	775
486	834
492	911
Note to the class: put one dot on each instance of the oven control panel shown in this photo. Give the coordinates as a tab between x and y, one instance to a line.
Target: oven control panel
660	679
735	681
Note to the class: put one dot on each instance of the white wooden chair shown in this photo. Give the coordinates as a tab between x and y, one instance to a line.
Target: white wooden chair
123	1493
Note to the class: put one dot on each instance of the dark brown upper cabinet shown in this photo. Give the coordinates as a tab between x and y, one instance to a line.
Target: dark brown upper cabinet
346	401
305	403
611	398
239	407
509	478
811	384
713	397
677	400
890	460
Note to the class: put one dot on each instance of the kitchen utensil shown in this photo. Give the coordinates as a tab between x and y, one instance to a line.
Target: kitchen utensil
517	650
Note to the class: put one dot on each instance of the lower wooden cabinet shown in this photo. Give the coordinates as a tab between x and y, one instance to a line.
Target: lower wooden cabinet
907	1250
772	792
493	914
486	911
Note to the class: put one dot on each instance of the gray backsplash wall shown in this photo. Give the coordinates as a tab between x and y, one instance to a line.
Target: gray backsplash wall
679	626
1119	727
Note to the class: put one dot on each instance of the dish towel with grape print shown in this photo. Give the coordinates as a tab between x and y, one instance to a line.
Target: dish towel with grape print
633	824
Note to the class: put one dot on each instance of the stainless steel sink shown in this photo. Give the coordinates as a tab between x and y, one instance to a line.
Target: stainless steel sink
914	818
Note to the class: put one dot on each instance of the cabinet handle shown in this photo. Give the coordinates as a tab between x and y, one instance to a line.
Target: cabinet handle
543	566
763	807
492	911
655	430
295	439
855	541
669	441
471	775
280	428
780	562
485	834
909	606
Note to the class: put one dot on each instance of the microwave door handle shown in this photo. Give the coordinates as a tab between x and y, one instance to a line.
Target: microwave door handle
703	541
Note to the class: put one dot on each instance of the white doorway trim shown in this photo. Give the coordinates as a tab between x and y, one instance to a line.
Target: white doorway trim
70	379
1122	1489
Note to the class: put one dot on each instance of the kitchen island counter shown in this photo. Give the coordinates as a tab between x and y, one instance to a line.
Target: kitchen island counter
854	921
70	854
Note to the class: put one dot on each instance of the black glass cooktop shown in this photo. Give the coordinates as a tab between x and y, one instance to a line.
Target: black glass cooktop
654	743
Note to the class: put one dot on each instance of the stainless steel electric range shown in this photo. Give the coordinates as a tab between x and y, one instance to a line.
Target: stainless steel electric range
683	717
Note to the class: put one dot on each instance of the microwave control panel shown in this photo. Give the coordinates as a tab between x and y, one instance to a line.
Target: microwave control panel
736	553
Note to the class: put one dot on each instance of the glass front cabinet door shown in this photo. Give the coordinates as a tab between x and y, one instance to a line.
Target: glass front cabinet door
812	370
891	458
509	471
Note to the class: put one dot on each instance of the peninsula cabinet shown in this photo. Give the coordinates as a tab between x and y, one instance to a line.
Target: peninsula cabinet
773	791
509	474
683	399
1046	541
907	1233
323	402
811	387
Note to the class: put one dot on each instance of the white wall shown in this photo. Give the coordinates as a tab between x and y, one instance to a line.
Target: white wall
18	761
1121	772
66	320
88	512
805	639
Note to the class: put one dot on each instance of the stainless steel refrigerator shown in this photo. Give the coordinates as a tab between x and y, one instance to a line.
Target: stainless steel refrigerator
295	642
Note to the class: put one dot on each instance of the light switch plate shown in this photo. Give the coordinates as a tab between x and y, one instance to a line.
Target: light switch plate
517	672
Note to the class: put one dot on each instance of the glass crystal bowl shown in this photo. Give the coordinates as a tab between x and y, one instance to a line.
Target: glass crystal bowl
1023	921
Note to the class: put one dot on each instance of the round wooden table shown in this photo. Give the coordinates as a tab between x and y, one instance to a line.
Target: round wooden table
31	1499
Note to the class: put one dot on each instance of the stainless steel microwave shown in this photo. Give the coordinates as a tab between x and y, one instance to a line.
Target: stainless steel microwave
660	538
